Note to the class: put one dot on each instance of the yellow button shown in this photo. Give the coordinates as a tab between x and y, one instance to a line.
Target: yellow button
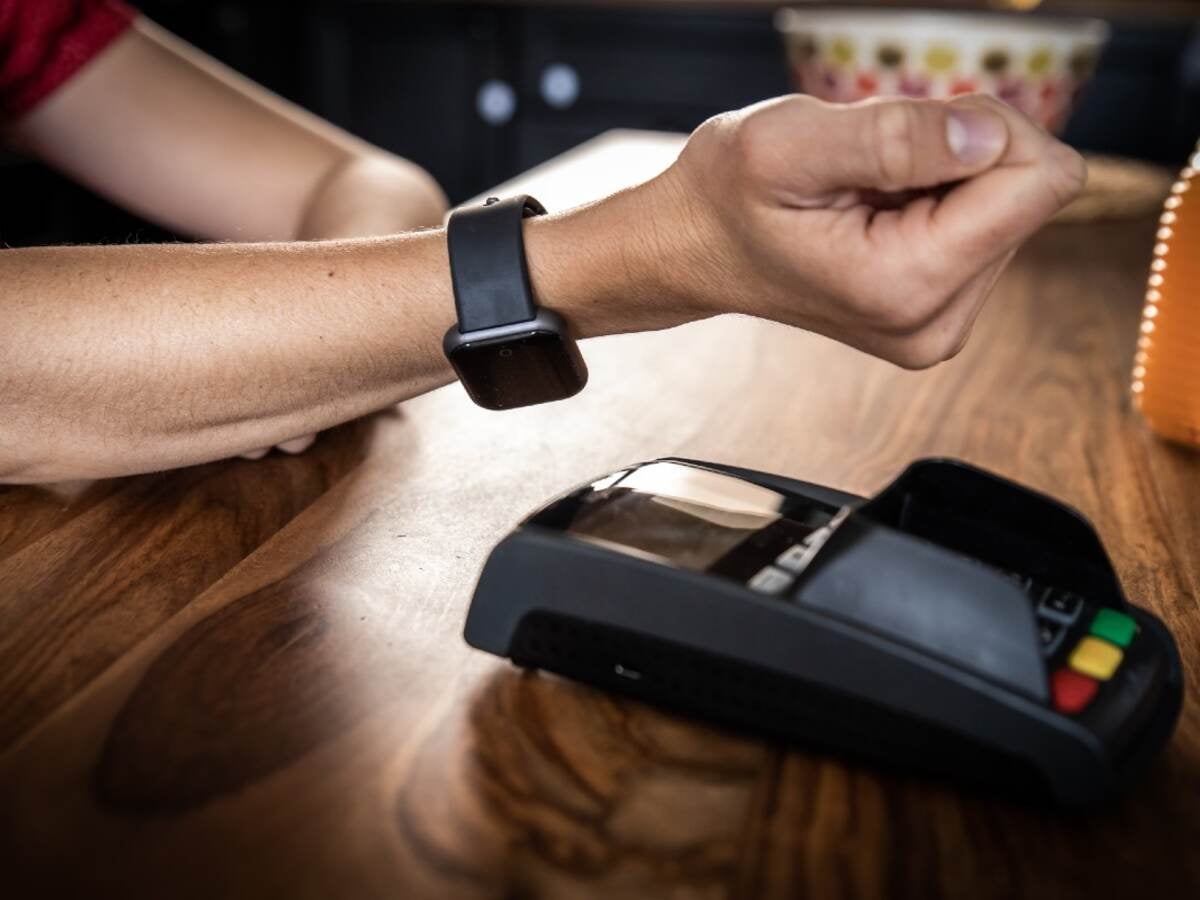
1095	657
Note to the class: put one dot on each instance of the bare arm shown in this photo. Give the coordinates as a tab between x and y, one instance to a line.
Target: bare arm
163	129
166	131
116	360
127	359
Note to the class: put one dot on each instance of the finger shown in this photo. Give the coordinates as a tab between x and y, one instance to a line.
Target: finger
945	334
988	215
814	148
298	445
971	299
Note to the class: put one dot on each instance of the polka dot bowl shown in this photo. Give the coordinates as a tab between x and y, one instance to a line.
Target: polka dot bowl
1036	64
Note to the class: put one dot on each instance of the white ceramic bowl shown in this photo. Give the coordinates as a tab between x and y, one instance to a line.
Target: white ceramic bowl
1035	63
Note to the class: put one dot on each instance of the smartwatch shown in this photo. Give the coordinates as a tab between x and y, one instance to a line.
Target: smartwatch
506	350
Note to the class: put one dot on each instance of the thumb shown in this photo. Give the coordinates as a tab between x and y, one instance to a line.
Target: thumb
894	144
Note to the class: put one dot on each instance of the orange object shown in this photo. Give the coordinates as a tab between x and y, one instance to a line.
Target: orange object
1166	369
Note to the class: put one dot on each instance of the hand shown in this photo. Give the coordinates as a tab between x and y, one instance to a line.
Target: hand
881	224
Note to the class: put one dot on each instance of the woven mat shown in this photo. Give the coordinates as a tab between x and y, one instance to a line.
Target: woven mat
1119	189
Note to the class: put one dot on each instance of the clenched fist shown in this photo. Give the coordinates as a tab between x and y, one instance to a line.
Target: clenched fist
881	224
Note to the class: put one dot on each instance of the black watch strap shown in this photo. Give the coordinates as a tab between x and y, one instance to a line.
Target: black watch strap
487	263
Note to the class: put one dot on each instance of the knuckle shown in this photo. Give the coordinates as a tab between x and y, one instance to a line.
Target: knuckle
928	347
911	305
714	126
959	345
910	317
907	359
1068	174
709	138
749	144
716	142
893	133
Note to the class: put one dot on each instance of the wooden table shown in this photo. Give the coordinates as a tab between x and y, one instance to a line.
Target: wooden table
247	679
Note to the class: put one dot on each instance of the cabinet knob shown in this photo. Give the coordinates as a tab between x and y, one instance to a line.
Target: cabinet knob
560	85
496	101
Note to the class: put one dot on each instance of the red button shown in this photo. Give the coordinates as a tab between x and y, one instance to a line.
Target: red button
1072	691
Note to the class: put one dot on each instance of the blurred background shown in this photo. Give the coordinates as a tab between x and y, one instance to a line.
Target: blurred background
477	92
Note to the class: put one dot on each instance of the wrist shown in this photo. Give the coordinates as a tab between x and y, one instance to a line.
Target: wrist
613	266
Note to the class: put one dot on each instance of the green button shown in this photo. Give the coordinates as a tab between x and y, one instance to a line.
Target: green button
1113	626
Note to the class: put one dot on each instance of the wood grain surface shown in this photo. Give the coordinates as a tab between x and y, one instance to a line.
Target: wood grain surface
248	679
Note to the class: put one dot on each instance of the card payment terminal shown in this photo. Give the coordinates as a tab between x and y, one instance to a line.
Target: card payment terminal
955	622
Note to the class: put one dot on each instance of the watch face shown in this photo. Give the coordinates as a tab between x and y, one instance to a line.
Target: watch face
519	370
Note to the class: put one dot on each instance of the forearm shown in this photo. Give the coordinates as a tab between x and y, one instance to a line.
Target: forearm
129	359
173	135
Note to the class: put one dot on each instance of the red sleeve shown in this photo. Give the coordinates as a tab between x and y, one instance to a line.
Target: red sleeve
44	42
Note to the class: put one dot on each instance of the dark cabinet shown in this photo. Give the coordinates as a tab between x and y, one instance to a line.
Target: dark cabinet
665	71
408	76
478	93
